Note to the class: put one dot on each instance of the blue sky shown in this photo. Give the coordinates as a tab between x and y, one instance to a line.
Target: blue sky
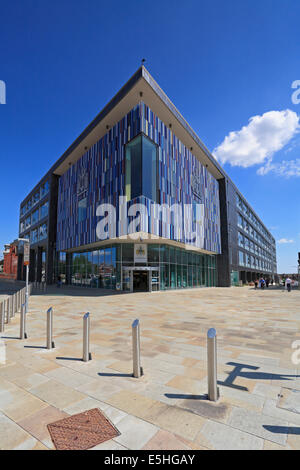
221	63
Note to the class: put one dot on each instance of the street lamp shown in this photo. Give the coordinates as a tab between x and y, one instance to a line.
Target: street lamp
26	262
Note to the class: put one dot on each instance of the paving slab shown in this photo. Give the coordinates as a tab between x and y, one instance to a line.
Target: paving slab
258	381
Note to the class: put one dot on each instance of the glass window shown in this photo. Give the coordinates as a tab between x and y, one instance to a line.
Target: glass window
149	169
247	243
240	239
44	189
82	205
141	168
34	236
241	258
44	210
164	253
173	276
43	232
179	276
184	276
35	217
172	255
163	277
27	222
240	221
36	198
153	254
28	205
133	176
127	253
113	256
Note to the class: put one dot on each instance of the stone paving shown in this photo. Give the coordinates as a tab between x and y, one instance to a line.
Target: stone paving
167	407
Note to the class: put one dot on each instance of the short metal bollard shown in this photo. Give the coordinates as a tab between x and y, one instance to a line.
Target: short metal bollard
14	305
136	349
2	313
50	342
23	334
213	390
86	338
8	309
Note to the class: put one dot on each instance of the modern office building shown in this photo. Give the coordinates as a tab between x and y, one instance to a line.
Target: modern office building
138	202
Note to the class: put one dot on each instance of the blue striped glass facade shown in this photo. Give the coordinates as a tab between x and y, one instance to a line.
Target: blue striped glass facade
99	177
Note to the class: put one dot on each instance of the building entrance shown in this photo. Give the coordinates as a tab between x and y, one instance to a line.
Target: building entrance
140	281
140	278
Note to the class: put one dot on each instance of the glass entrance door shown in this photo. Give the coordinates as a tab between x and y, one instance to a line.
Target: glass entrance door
140	281
154	280
127	280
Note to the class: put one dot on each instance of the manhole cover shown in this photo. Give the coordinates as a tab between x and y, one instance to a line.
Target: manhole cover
289	399
82	431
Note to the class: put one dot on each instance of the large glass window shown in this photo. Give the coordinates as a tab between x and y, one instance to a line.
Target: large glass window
34	236
35	198
82	205
44	210
44	189
240	239
103	268
27	222
43	232
141	168
35	217
240	221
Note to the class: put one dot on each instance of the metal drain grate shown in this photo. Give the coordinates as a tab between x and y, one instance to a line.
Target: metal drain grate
82	431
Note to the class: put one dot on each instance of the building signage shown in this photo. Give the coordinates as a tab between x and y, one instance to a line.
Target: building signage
140	253
196	186
82	181
26	253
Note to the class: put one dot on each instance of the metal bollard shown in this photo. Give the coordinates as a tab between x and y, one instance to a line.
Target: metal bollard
86	338
7	310
213	390
11	306
14	305
2	316
23	334
50	342
136	349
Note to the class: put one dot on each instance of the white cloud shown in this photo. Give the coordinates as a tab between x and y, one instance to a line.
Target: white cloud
284	240
285	168
257	142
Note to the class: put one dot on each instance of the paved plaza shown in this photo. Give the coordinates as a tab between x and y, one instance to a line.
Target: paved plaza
167	407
